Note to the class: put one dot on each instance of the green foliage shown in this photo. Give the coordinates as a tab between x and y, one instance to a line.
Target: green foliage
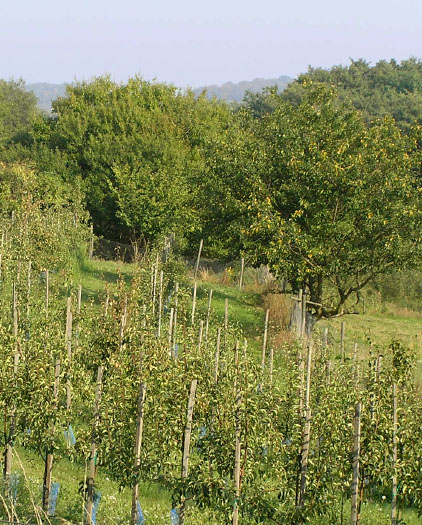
40	221
387	88
140	148
337	203
17	109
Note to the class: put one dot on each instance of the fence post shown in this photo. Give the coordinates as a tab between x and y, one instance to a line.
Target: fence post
48	465
207	323
91	243
356	460
68	340
242	268
394	462
93	456
237	450
138	446
186	446
198	259
306	431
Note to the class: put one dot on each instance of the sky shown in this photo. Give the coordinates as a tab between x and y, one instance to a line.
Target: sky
196	43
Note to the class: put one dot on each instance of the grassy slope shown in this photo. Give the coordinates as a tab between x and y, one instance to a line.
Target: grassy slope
246	310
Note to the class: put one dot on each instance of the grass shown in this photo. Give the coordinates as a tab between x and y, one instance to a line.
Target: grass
378	328
96	274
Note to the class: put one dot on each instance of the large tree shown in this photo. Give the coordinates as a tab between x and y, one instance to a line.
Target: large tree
140	148
338	202
17	109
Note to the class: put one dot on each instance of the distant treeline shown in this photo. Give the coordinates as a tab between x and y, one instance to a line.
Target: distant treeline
321	181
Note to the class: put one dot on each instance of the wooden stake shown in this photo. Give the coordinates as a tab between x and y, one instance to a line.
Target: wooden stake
306	431
8	452
342	349
241	273
201	330
28	292
186	446
170	337
176	301
68	340
79	304
303	328
91	243
226	319
325	338
264	341
193	304
355	360
237	450
48	465
160	303
154	286
394	462
217	356
299	315
138	446
271	364
93	456
208	315
198	259
47	291
356	460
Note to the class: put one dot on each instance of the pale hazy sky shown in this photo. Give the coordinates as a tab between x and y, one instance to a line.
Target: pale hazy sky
189	42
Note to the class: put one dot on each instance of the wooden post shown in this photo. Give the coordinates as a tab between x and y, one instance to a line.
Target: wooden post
299	315
91	243
47	291
355	359
325	338
394	462
48	465
217	356
242	268
122	328
237	450
154	286
79	304
138	446
226	319
198	259
201	330
264	341
28	292
176	301
342	349
379	367
170	336
303	328
8	453
193	304
271	363
354	518
306	431
93	456
160	303
207	323
186	445
68	339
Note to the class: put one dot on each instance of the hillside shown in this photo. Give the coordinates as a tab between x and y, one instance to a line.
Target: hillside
234	92
46	92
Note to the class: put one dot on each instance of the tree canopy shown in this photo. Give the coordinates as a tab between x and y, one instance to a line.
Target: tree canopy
387	88
337	202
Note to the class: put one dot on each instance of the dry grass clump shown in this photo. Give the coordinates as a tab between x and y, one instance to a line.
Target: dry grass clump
280	306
